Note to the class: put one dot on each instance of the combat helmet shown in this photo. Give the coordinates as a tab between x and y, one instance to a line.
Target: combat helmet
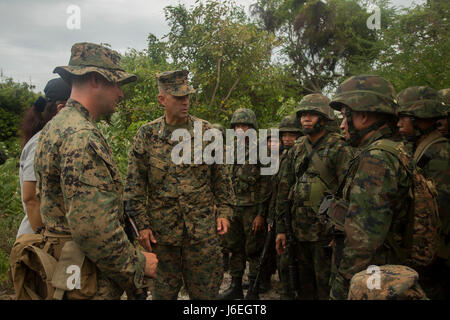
396	282
290	123
244	116
316	103
423	103
366	93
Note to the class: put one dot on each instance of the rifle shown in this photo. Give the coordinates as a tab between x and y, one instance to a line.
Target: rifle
268	245
293	280
132	233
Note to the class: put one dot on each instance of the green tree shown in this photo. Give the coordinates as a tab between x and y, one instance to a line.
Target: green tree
229	57
416	48
15	99
322	41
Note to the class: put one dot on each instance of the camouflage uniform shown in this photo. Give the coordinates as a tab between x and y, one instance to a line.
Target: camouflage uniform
79	185
177	203
288	124
375	187
424	103
243	243
396	283
301	177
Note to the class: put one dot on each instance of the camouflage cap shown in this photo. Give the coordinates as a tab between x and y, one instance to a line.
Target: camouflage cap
244	116
420	102
444	94
90	57
316	102
396	283
175	82
290	124
369	93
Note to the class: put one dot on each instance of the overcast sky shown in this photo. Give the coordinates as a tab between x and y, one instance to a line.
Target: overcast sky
34	37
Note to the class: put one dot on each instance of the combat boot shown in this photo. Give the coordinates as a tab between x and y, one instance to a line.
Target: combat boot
234	291
264	284
252	292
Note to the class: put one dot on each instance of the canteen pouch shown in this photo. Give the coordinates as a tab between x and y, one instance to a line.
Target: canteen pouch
74	274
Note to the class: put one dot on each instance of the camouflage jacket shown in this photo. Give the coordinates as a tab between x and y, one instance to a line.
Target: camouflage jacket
300	176
80	191
435	166
176	201
272	189
376	189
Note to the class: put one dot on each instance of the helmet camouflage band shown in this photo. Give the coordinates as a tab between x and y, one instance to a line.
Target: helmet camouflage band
90	57
315	102
290	123
244	116
420	102
396	283
365	93
368	93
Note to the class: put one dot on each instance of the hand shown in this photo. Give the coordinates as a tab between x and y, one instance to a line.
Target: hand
146	236
151	263
280	243
269	227
258	224
223	225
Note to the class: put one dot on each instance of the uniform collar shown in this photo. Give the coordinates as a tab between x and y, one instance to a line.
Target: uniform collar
381	133
71	103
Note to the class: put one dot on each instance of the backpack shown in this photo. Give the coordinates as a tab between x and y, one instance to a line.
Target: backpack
421	238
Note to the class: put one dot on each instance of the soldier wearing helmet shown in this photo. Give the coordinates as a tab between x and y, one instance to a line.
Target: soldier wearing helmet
370	204
444	94
419	108
247	232
315	165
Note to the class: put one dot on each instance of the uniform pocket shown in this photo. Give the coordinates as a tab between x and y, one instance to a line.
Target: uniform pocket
157	171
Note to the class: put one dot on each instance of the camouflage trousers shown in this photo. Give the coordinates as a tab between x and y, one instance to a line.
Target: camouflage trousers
198	266
314	266
243	243
282	265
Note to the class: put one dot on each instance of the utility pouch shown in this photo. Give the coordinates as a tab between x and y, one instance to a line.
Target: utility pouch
74	274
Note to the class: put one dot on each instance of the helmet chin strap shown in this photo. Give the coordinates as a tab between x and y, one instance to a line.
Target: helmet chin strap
357	135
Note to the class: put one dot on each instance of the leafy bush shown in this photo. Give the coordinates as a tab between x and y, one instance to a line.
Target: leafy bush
11	212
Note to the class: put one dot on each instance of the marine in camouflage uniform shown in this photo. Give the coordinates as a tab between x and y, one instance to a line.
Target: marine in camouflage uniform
176	201
79	185
376	187
288	125
419	108
244	242
396	282
315	165
444	94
